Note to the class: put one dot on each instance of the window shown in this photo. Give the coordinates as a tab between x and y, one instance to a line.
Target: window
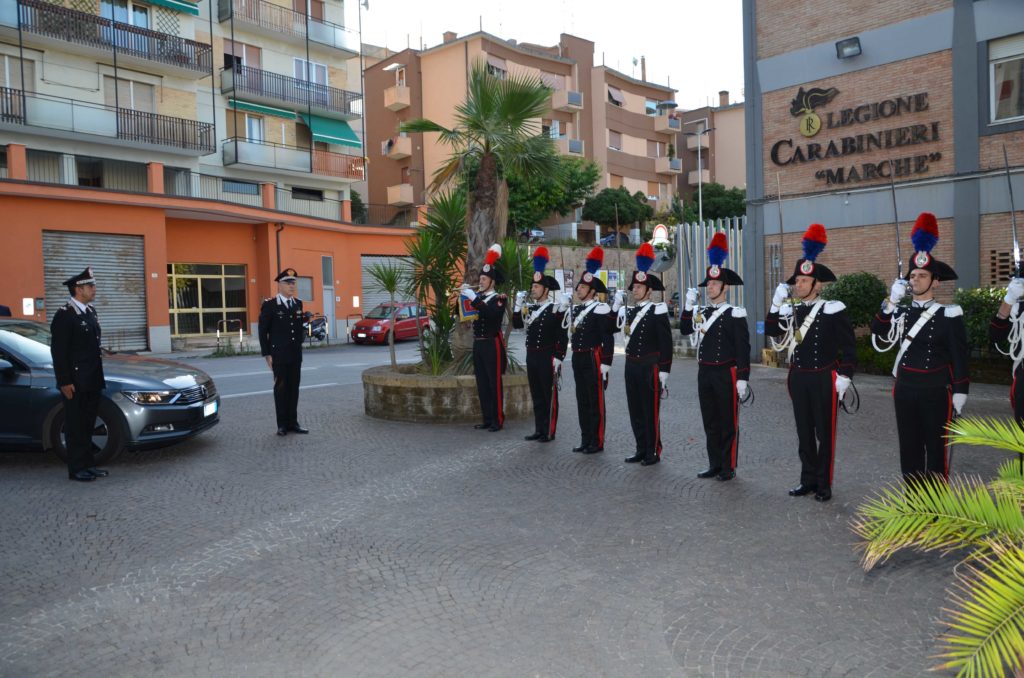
653	190
497	67
314	8
254	128
655	149
615	96
138	96
241	187
614	181
400	77
614	140
304	288
406	176
650	107
90	172
552	128
10	73
203	298
554	81
307	194
1006	64
240	54
310	71
125	12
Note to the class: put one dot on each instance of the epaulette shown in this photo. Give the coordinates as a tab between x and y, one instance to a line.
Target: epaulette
833	307
661	308
739	312
953	311
602	308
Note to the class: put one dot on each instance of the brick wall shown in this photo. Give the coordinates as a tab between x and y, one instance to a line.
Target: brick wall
991	151
787	25
178	103
996	244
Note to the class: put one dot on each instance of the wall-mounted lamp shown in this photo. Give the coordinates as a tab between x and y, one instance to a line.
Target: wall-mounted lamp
848	48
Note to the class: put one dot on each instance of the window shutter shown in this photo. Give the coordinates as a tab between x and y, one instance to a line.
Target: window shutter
1006	47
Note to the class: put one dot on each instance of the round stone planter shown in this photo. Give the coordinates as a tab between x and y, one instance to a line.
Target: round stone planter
405	395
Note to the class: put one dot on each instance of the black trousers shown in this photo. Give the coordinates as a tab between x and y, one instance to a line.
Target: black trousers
922	414
815	405
487	355
643	395
540	371
286	393
1017	394
79	422
719	408
586	371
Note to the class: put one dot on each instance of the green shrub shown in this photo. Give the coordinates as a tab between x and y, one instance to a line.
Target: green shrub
861	292
979	305
870	361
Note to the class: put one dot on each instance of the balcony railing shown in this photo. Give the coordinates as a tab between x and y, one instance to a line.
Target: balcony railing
287	22
337	165
239	150
83	28
386	215
256	82
80	117
667	125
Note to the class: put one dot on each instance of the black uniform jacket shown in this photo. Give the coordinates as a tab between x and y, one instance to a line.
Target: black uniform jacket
650	341
938	355
545	331
829	342
281	332
999	328
492	312
595	330
75	348
727	341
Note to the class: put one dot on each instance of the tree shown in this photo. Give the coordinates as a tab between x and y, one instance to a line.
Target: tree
358	208
389	278
531	200
497	131
614	207
719	202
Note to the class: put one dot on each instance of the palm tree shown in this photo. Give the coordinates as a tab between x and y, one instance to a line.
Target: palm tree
986	521
390	278
496	133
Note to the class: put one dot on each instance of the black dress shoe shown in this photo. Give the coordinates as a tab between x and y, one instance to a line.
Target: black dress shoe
636	458
580	447
282	431
650	461
480	426
81	476
709	473
492	429
726	475
298	429
593	449
823	494
534	436
543	439
98	472
801	489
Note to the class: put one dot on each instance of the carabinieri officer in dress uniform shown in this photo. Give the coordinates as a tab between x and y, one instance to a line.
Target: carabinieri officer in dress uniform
931	365
823	355
78	368
489	357
592	330
545	345
1008	325
723	360
648	358
281	338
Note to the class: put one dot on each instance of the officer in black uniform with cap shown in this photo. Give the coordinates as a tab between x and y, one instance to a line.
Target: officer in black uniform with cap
723	360
592	335
78	368
931	364
823	355
489	357
545	345
1008	325
281	338
648	358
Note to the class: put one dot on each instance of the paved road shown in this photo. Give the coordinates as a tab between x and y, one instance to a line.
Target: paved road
375	548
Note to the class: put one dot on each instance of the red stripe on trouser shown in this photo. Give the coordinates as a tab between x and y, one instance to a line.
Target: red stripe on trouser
945	444
497	381
553	412
657	413
600	397
735	421
1013	392
835	411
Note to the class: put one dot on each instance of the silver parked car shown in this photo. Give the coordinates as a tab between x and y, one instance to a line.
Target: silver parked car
147	403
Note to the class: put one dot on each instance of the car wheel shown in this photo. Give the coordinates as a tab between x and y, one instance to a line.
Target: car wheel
108	436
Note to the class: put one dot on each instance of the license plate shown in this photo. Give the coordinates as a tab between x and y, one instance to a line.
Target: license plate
210	408
361	335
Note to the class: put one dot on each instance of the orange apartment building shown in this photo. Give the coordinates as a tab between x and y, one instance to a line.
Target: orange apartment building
722	147
596	113
186	150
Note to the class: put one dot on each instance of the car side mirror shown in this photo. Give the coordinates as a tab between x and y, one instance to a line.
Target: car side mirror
5	366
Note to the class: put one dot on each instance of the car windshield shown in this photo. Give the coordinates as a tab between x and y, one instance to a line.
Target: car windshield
379	313
28	340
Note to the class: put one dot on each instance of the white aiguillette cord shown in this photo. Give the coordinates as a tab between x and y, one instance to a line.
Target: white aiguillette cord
791	338
699	330
1016	352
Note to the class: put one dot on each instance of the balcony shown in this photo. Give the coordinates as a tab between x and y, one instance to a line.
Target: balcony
400	194
666	125
566	100
275	158
705	177
264	87
282	23
398	148
569	146
668	165
397	97
694	142
70	119
47	25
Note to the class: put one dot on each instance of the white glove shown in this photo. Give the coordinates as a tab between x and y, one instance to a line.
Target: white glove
741	388
561	301
959	399
898	291
605	369
691	299
842	383
468	292
558	365
621	319
663	378
617	301
520	299
781	294
1014	291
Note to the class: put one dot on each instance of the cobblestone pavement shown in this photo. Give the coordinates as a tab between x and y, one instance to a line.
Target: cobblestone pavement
373	548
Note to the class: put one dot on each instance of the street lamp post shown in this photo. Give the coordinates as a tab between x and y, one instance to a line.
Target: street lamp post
702	129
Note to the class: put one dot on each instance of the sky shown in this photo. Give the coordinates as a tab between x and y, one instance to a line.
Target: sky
693	46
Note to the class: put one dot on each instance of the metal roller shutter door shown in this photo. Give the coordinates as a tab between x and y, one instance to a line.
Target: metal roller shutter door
370	296
118	262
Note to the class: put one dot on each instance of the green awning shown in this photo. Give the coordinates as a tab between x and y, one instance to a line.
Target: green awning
331	131
186	6
261	109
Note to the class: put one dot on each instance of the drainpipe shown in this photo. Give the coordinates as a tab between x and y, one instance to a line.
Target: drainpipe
280	227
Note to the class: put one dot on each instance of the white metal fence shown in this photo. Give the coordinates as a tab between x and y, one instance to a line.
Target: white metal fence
695	238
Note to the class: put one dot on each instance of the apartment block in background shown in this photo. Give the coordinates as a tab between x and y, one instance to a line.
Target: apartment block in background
722	149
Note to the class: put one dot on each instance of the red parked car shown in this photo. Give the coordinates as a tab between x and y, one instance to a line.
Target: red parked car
376	325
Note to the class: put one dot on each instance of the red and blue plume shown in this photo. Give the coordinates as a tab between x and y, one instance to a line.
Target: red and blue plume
925	234
814	241
718	250
541	259
644	257
594	260
493	254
